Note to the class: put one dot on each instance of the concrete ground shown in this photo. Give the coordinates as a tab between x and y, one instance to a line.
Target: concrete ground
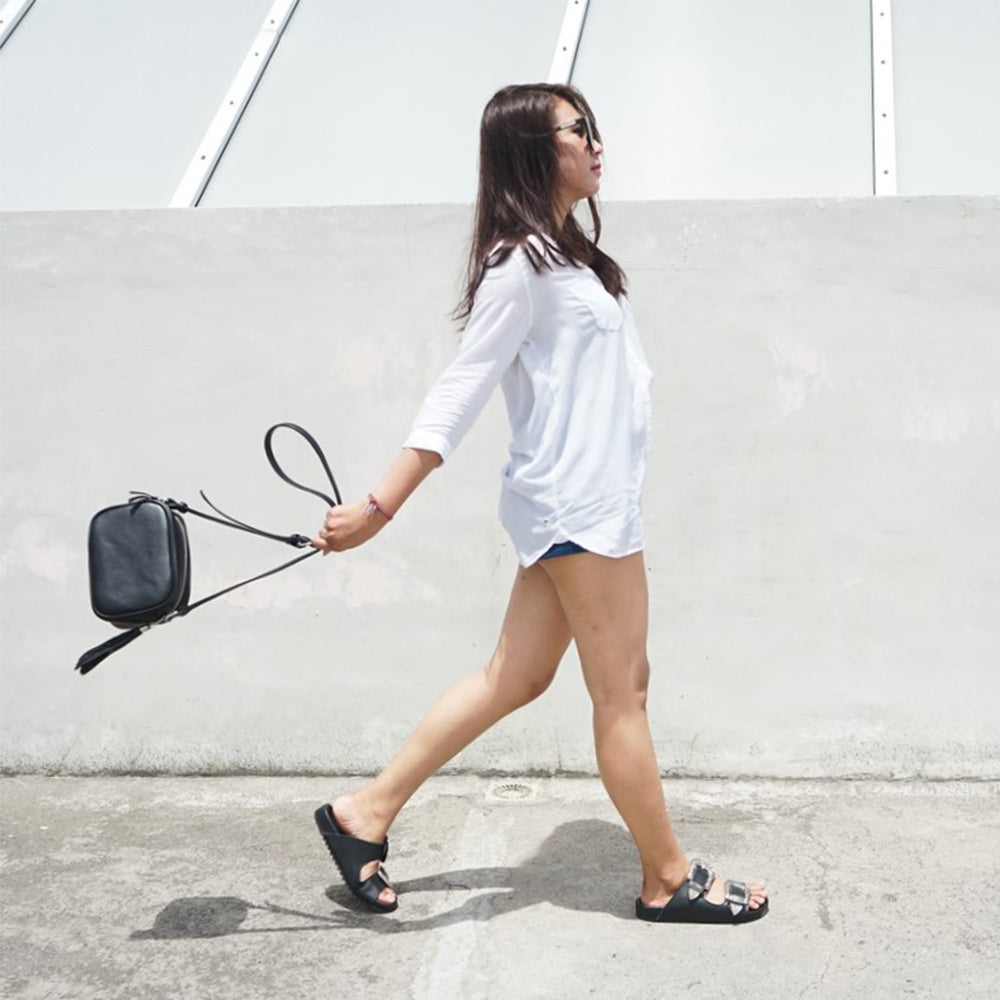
511	888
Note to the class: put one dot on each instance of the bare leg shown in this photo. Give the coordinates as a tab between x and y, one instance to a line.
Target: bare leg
606	604
532	641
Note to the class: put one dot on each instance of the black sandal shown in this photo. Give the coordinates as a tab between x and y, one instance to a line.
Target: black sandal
351	855
689	906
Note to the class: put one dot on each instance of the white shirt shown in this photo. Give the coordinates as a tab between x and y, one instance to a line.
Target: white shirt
576	384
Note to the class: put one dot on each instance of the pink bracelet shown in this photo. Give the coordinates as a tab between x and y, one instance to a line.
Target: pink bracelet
373	505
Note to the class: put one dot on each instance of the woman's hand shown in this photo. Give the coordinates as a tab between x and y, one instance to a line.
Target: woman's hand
347	526
352	524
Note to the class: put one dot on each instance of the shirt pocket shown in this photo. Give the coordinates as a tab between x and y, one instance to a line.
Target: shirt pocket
593	306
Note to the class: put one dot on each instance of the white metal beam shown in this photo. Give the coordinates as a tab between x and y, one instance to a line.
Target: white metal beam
883	100
561	69
10	14
220	131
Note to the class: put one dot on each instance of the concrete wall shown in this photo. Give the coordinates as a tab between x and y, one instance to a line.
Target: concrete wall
822	505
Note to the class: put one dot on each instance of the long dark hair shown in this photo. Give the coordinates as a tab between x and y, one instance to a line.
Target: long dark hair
518	179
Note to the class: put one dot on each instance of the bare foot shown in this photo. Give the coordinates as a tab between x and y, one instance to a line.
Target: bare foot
353	819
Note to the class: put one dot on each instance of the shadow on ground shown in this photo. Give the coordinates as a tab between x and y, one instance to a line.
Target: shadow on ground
580	866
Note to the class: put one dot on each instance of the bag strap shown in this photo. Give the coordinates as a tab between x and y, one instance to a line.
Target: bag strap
312	442
243	583
298	541
94	656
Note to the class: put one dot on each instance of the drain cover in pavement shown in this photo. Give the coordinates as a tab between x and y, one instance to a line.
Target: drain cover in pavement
511	791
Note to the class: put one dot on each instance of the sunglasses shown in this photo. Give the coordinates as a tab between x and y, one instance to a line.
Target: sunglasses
581	127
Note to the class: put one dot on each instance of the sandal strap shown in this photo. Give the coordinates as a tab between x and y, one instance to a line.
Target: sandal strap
738	897
371	888
699	879
360	852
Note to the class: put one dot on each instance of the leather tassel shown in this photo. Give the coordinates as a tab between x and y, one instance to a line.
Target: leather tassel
92	657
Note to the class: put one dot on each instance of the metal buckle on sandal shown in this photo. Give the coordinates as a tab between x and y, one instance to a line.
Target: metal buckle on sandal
700	878
737	896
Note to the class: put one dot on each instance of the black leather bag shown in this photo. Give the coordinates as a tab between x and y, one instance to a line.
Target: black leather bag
140	560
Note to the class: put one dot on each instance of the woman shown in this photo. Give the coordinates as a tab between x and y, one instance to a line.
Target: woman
547	318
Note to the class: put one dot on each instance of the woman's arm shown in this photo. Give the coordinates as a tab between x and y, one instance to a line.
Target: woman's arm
347	525
501	318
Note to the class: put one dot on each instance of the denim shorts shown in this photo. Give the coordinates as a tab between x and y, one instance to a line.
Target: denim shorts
562	549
